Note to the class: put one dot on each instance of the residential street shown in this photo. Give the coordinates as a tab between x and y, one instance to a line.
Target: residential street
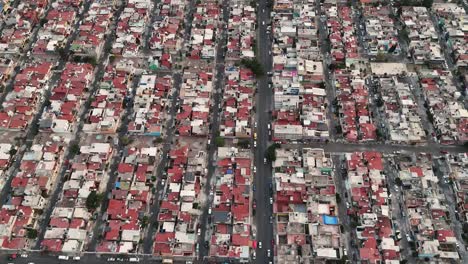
217	96
263	177
340	147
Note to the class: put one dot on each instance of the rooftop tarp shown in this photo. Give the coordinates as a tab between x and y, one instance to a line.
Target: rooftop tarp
330	220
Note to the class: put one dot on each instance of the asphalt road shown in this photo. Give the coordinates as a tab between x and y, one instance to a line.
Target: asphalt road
329	75
39	258
217	98
263	177
443	171
340	147
340	183
400	222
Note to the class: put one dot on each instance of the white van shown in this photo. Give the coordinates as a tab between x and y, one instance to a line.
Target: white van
63	257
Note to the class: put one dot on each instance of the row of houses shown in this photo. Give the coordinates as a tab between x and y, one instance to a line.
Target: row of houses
458	170
427	209
447	114
380	32
454	21
93	29
401	111
352	102
179	216
371	208
29	192
34	182
130	28
19	22
129	201
71	220
24	101
239	82
109	100
231	210
424	46
166	39
59	24
300	107
150	105
305	208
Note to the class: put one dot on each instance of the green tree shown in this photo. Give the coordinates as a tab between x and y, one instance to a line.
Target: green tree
93	200
270	154
31	233
125	140
254	66
12	152
144	221
427	3
338	198
398	181
219	141
74	149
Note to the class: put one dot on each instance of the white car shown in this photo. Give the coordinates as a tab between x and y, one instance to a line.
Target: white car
268	253
111	259
255	144
260	244
264	161
271	200
263	23
199	231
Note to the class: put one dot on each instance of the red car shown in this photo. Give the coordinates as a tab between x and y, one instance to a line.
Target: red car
254	205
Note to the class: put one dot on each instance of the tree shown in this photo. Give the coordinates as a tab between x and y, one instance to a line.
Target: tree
398	181
219	141
427	3
31	233
144	221
74	149
125	140
93	200
12	152
254	66
270	154
338	198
